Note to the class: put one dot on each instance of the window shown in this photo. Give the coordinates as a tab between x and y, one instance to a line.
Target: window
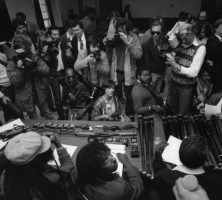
45	13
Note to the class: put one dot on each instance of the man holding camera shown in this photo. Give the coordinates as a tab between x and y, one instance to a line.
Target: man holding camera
186	64
126	51
27	73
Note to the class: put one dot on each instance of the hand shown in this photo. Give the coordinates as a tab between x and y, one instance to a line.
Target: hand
107	117
171	60
209	63
123	37
54	139
20	64
122	158
5	99
72	97
183	194
68	52
156	108
45	49
91	59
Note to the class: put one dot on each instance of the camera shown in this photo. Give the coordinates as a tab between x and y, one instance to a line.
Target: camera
112	43
96	55
52	46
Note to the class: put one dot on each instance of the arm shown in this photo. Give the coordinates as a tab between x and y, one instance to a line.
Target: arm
42	68
82	60
196	65
135	47
65	160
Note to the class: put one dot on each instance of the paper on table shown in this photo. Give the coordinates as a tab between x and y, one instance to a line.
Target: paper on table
213	110
10	125
117	148
69	148
171	152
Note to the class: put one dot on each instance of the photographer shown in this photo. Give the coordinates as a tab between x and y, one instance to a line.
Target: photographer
52	55
27	73
93	63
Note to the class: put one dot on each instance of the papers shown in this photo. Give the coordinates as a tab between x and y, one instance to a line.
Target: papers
117	148
171	152
70	149
213	110
10	125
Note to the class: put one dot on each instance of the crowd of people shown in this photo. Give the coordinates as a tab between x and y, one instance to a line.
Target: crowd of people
155	72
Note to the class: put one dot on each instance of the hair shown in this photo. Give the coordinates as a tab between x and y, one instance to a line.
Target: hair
21	14
52	28
108	84
123	22
16	23
183	16
22	41
76	23
23	181
156	23
90	164
208	29
93	40
193	151
188	27
141	69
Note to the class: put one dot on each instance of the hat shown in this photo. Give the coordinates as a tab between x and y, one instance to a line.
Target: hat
217	23
24	147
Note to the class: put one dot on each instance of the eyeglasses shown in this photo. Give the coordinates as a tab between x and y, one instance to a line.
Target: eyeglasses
155	32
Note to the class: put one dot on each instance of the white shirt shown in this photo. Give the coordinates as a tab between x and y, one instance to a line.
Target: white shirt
196	65
83	38
186	170
218	37
69	36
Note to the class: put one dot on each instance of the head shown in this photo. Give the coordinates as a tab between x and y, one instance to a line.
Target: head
91	13
95	164
183	16
19	26
127	8
203	16
109	88
93	44
21	16
144	75
207	30
123	25
77	28
22	42
193	151
218	27
54	33
187	34
70	76
156	30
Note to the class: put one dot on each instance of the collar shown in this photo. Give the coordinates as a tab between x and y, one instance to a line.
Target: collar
186	170
69	36
218	37
83	37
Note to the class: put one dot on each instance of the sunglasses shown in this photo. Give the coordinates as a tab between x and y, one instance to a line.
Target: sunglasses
155	32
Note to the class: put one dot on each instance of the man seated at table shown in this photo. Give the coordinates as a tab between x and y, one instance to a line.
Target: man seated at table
193	154
144	96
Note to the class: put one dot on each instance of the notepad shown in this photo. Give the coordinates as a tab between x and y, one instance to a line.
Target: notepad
69	148
117	148
171	152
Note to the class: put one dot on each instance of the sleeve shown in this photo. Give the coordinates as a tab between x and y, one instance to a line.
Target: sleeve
81	61
135	47
138	102
65	160
96	109
42	68
134	186
16	76
196	65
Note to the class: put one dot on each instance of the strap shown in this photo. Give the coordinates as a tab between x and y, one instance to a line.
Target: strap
3	63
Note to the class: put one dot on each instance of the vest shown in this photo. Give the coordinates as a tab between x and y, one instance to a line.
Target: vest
184	57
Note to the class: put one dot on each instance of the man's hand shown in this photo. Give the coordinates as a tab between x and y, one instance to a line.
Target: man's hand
171	60
91	59
68	52
123	37
122	158
20	64
182	193
72	97
45	49
156	108
54	139
5	99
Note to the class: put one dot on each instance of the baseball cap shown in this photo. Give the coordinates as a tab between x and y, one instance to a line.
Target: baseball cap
24	147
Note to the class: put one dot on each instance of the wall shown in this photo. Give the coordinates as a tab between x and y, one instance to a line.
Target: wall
165	8
25	6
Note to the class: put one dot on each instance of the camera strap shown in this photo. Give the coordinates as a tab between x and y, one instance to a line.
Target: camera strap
3	63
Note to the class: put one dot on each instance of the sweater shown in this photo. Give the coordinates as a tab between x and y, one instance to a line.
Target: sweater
184	57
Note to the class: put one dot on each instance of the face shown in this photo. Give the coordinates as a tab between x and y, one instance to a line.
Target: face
110	91
94	48
55	35
202	16
111	163
77	31
22	29
122	29
187	37
156	31
145	77
202	33
219	30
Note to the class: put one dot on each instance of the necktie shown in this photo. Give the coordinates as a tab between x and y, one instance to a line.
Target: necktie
81	43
